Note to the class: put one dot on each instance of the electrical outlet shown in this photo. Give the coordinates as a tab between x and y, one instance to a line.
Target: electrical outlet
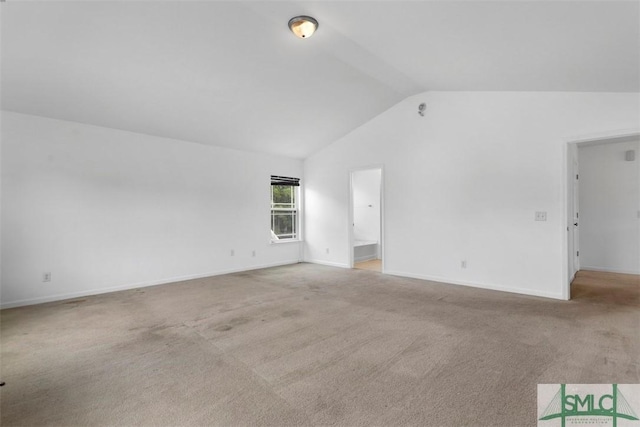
463	263
46	277
541	216
253	253
327	250
233	253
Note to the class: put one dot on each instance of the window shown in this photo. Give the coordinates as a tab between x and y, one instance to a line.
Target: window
284	208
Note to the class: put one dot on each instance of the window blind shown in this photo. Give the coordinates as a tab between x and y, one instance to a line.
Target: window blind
284	180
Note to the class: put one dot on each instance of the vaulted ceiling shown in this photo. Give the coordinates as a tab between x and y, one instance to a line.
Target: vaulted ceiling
229	73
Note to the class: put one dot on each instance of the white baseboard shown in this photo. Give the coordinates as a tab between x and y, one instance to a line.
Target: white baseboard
329	263
60	297
444	280
365	258
572	278
608	270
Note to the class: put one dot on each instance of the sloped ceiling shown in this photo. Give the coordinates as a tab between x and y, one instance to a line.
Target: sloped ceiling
231	74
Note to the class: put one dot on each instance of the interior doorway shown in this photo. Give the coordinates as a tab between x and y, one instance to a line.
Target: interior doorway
603	215
366	213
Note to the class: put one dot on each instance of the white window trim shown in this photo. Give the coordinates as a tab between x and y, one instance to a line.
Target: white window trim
298	239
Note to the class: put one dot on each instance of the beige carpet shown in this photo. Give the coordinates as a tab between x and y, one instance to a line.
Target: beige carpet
309	345
613	288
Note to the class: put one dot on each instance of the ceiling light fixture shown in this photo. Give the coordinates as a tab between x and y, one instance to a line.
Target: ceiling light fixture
303	26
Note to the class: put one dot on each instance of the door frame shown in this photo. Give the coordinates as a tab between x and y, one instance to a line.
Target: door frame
382	214
572	208
570	152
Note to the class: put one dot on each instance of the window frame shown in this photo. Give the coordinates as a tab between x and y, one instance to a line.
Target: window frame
296	209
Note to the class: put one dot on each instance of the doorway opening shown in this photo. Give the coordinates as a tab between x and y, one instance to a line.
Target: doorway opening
603	215
366	213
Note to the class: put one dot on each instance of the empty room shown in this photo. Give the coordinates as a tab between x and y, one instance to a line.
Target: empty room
314	213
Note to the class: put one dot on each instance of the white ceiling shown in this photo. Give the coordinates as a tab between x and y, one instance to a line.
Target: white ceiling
231	74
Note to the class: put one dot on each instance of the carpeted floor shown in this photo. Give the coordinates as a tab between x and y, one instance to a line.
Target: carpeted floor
311	345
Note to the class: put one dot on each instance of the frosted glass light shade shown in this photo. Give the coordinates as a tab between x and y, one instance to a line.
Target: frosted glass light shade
303	26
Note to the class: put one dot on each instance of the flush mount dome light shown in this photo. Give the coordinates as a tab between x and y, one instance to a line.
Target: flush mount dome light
303	26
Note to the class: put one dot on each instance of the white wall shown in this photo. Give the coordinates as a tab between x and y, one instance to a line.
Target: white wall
103	209
463	183
609	208
366	205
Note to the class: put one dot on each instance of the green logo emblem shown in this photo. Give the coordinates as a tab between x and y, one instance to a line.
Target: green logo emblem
565	405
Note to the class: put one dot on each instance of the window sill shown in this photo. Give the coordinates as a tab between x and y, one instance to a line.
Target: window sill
284	242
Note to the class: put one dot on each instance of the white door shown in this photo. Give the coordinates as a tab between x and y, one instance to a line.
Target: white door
576	218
